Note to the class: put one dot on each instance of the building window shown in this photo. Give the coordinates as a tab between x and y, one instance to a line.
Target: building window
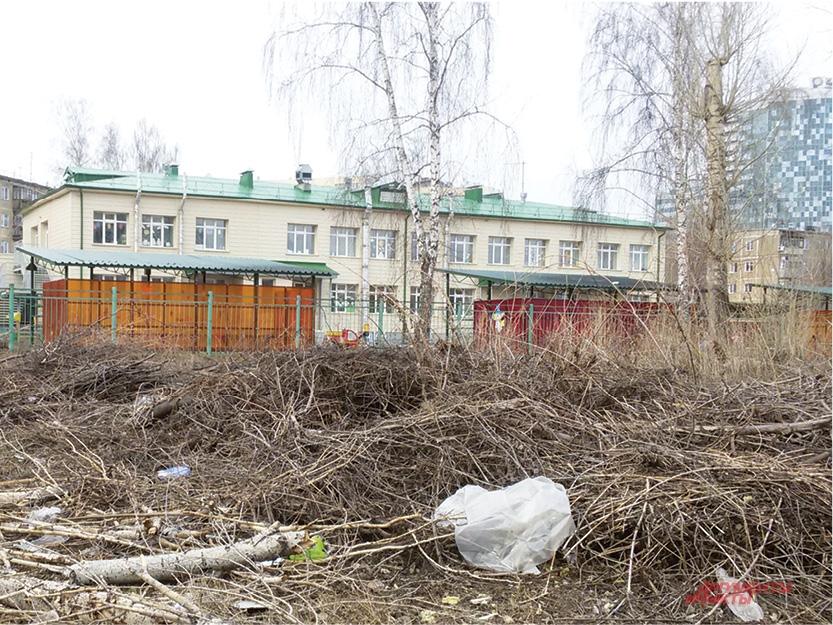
750	246
734	246
607	256
733	267
535	252
211	234
109	228
343	297
461	248
461	301
568	252
381	299
785	263
733	289
382	244
4	247
4	193
749	267
414	301
157	231
342	241
4	220
747	287
499	250
639	257
414	247
300	239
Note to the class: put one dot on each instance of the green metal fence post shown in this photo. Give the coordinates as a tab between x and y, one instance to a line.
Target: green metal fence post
12	336
381	306
530	334
297	321
210	322
113	309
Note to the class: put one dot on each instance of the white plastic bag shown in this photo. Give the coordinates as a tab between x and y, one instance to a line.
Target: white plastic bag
510	530
739	601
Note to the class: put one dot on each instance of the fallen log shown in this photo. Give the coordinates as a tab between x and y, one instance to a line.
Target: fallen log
170	566
764	428
17	497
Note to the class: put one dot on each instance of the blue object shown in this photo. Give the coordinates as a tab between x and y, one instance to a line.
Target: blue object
173	472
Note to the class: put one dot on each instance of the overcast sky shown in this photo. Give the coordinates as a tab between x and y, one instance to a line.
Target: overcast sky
194	69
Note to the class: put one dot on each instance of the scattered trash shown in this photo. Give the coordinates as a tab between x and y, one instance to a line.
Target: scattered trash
740	602
44	515
428	616
49	540
314	552
481	600
249	606
173	473
451	600
510	530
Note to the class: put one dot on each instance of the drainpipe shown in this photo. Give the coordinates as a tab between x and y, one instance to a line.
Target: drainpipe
81	193
659	251
136	211
406	252
181	218
368	207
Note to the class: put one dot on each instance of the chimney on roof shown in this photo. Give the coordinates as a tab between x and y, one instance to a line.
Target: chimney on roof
303	176
474	193
247	179
172	170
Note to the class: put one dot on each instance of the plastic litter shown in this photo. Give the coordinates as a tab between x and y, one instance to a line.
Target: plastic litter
44	515
510	530
740	602
173	472
316	552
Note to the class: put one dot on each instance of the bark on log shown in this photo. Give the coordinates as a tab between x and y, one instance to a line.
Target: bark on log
15	497
169	566
764	428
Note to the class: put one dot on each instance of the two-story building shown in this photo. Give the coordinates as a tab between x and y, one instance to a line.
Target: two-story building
371	247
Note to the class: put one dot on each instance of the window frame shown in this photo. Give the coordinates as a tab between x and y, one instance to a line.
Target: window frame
118	222
747	287
609	253
382	244
461	249
4	220
733	288
384	294
343	297
500	251
167	227
304	233
4	194
536	248
206	225
343	236
749	266
574	247
639	252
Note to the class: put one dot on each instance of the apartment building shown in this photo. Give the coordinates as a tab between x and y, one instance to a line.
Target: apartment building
172	212
14	195
780	258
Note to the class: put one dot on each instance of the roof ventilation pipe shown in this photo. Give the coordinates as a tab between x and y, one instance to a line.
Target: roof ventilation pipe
303	176
247	179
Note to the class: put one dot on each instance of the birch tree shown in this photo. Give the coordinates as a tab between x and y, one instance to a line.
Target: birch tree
677	81
397	80
110	152
75	125
148	151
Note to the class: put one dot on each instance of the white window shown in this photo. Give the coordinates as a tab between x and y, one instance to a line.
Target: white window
414	301
461	248
300	239
109	228
568	252
211	234
734	246
342	241
461	301
535	252
381	298
4	247
607	256
733	288
414	247
733	267
382	244
747	287
4	220
785	262
343	297
4	193
749	267
639	257
750	246
157	231
499	250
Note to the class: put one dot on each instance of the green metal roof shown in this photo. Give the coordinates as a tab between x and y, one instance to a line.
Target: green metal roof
813	290
491	205
107	259
559	280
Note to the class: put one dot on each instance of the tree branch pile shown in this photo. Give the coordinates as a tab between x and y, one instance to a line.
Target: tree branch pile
668	476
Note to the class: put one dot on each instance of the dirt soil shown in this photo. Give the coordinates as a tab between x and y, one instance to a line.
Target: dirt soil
669	476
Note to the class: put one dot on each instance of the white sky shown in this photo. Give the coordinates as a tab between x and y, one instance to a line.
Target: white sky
193	69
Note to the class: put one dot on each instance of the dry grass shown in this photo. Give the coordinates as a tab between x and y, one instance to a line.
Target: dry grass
667	468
